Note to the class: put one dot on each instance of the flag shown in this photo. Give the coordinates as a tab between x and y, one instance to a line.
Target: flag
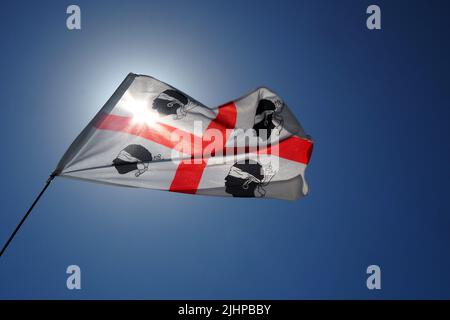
151	135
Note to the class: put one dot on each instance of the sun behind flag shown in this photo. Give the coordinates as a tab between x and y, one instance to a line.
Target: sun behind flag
151	135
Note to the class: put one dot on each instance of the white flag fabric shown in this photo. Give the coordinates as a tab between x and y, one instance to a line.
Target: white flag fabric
151	135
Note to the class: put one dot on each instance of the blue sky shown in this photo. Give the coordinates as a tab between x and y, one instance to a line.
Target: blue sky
375	102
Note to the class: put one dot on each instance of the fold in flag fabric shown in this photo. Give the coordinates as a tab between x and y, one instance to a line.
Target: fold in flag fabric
151	135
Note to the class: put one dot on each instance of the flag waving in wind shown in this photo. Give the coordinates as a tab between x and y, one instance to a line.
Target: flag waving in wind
151	135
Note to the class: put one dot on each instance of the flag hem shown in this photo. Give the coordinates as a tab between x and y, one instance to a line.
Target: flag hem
88	131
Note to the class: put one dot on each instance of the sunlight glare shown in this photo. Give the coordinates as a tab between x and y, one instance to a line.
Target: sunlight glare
141	112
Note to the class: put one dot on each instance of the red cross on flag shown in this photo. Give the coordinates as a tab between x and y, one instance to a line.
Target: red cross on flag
151	135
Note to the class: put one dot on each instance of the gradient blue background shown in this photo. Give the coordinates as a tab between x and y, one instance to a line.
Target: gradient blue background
375	102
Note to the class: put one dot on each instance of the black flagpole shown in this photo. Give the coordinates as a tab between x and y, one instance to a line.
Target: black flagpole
28	212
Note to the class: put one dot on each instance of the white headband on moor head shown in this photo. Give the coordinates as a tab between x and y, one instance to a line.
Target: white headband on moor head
141	166
165	96
276	117
184	107
183	110
249	178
